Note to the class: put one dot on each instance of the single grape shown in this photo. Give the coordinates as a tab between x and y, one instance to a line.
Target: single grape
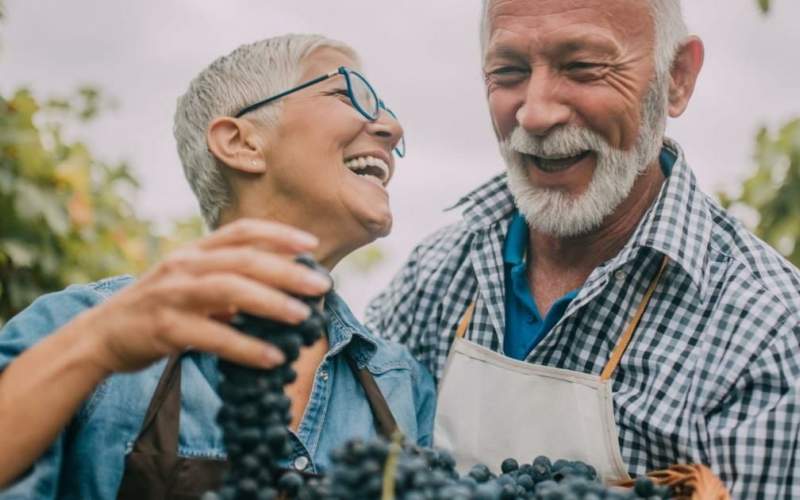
509	465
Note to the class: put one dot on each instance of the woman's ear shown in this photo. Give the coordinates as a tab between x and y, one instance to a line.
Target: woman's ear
237	143
684	73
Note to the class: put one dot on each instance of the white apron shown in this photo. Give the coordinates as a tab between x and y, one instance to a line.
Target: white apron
491	407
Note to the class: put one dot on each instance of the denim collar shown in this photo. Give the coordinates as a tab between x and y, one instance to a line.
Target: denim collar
345	332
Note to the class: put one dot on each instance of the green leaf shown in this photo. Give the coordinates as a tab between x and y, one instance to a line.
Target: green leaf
20	253
764	5
773	189
37	205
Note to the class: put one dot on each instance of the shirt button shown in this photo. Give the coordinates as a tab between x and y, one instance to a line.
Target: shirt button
620	275
300	463
324	375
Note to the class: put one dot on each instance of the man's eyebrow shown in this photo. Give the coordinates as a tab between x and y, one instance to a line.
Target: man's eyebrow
589	43
596	44
503	52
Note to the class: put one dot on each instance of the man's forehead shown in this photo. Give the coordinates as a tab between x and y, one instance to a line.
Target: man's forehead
601	24
551	7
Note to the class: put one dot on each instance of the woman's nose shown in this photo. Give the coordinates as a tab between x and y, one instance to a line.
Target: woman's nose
387	128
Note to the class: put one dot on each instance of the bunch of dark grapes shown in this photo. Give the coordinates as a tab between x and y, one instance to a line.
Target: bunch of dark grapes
255	415
254	418
360	470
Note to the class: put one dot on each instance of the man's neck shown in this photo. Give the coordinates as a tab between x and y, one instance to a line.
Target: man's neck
558	265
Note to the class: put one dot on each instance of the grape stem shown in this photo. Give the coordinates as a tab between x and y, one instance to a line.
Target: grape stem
390	468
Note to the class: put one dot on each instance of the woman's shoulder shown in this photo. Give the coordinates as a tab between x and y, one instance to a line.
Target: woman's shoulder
60	305
51	311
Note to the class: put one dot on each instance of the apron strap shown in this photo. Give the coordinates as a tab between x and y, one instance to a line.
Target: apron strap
160	428
384	419
622	344
465	320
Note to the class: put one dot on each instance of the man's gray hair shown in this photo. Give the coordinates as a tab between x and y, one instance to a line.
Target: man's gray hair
670	31
250	73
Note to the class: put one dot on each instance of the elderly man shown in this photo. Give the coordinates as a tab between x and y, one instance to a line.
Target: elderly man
594	304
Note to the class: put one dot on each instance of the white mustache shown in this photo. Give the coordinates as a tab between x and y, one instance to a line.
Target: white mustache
562	142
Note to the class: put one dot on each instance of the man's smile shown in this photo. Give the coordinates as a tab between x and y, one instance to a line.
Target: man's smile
553	163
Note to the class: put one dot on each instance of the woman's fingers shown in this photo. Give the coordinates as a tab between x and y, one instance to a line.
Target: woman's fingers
207	335
265	235
270	269
245	266
224	292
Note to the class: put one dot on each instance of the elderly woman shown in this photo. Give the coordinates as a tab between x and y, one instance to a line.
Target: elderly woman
109	389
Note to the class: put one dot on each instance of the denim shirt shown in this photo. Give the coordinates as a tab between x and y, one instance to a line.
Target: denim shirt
88	459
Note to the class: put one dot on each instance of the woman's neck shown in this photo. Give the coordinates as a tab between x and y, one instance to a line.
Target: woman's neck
331	249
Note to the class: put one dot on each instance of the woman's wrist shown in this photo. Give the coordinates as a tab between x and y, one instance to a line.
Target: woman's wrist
86	347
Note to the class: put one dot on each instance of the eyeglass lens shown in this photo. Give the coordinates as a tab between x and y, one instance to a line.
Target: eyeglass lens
368	102
364	95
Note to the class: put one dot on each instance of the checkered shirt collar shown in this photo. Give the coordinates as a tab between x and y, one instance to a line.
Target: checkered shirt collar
678	224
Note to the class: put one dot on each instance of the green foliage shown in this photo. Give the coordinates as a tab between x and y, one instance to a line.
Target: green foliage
64	215
363	261
773	190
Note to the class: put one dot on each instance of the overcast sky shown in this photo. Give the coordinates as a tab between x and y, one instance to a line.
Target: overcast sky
423	57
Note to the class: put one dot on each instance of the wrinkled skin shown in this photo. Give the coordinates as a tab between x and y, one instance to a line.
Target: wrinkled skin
555	62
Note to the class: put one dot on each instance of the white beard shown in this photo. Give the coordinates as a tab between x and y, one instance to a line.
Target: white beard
560	214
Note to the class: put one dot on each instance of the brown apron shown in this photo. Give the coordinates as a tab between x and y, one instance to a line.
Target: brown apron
153	469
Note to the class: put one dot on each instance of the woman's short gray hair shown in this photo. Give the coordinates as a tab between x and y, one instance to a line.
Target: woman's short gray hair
251	72
670	29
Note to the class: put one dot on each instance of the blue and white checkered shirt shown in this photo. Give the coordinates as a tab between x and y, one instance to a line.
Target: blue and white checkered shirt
711	376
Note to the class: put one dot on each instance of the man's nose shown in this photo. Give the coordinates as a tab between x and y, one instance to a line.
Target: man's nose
543	110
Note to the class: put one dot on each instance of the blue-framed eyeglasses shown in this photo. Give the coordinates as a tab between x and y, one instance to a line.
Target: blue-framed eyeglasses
361	94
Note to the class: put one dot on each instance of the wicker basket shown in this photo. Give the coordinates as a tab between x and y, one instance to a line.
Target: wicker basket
690	482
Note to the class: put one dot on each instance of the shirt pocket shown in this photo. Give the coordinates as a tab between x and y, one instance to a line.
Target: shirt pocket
396	385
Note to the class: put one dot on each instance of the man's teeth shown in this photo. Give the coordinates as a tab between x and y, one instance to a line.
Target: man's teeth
558	156
370	168
554	163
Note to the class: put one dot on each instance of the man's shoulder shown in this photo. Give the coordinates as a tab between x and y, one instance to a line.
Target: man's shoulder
444	259
729	265
755	266
444	241
439	256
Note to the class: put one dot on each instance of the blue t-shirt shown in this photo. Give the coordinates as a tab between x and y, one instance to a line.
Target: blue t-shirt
87	460
525	326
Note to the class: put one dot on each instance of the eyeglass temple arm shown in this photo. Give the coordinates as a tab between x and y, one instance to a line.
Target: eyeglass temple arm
268	100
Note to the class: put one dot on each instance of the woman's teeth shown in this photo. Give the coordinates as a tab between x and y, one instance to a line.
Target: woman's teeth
371	168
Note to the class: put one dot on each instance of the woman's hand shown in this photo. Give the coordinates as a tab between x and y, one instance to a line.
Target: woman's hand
186	300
